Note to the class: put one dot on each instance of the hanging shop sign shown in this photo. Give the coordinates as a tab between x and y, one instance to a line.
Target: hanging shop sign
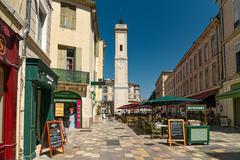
79	113
59	109
52	137
2	45
176	131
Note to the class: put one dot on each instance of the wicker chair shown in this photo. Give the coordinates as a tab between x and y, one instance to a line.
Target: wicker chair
155	131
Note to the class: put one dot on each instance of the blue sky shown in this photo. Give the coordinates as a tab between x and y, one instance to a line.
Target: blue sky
160	33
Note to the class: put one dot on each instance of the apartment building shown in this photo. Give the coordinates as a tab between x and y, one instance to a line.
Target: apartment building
160	84
108	94
30	22
169	85
229	97
199	72
77	58
11	26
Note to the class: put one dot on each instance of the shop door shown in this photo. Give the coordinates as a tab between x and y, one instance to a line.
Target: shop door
70	116
38	118
237	111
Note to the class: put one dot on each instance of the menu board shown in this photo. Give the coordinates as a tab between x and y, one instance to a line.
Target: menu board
52	137
55	135
176	131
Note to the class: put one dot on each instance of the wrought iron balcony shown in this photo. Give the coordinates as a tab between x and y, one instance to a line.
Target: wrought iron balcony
72	76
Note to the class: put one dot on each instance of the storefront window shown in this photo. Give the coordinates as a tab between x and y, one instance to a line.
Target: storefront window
1	102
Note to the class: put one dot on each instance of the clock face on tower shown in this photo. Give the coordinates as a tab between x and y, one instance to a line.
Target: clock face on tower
121	64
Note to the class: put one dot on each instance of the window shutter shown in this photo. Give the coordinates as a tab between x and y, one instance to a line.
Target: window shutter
62	58
238	48
63	14
73	17
78	62
238	57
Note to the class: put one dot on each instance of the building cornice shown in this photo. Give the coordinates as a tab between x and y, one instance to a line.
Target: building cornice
231	36
87	3
10	12
38	51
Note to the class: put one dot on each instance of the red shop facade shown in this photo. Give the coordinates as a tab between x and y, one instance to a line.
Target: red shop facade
9	65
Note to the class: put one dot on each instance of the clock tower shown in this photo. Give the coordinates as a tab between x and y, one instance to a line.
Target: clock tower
121	66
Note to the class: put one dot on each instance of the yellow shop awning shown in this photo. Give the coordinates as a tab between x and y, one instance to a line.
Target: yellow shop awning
234	93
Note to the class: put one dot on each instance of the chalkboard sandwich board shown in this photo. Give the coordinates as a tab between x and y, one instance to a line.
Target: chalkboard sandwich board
176	131
64	133
52	137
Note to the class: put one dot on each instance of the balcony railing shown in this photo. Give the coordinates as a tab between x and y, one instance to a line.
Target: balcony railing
72	76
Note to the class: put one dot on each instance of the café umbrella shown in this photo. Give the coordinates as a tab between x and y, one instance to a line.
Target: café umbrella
169	100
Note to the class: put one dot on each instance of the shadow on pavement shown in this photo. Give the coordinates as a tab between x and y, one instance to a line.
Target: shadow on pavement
225	129
225	156
138	131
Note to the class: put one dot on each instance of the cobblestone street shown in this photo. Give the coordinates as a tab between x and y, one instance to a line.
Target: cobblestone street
112	140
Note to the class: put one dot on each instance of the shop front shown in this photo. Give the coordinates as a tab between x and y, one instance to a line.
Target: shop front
68	107
232	95
9	64
40	83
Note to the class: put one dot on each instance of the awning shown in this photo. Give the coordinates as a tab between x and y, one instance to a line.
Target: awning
129	106
204	95
234	93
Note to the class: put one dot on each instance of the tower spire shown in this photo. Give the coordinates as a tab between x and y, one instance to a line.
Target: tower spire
120	21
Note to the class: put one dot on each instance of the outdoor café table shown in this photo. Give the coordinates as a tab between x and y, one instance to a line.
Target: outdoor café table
162	126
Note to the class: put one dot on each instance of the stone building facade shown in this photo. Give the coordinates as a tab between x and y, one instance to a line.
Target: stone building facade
229	97
108	94
160	84
169	85
77	58
199	73
36	81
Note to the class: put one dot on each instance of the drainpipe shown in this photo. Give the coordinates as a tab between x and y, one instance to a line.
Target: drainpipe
223	56
20	113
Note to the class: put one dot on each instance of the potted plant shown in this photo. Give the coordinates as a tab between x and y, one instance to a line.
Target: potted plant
98	117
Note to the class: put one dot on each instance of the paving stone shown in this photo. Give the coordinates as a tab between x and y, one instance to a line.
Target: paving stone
104	142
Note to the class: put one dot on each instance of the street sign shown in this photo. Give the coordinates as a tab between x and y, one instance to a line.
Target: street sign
98	83
196	107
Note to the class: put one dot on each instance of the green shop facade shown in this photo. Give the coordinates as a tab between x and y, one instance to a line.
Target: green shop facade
234	95
68	108
39	88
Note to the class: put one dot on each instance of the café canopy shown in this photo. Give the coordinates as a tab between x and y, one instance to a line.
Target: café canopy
169	100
